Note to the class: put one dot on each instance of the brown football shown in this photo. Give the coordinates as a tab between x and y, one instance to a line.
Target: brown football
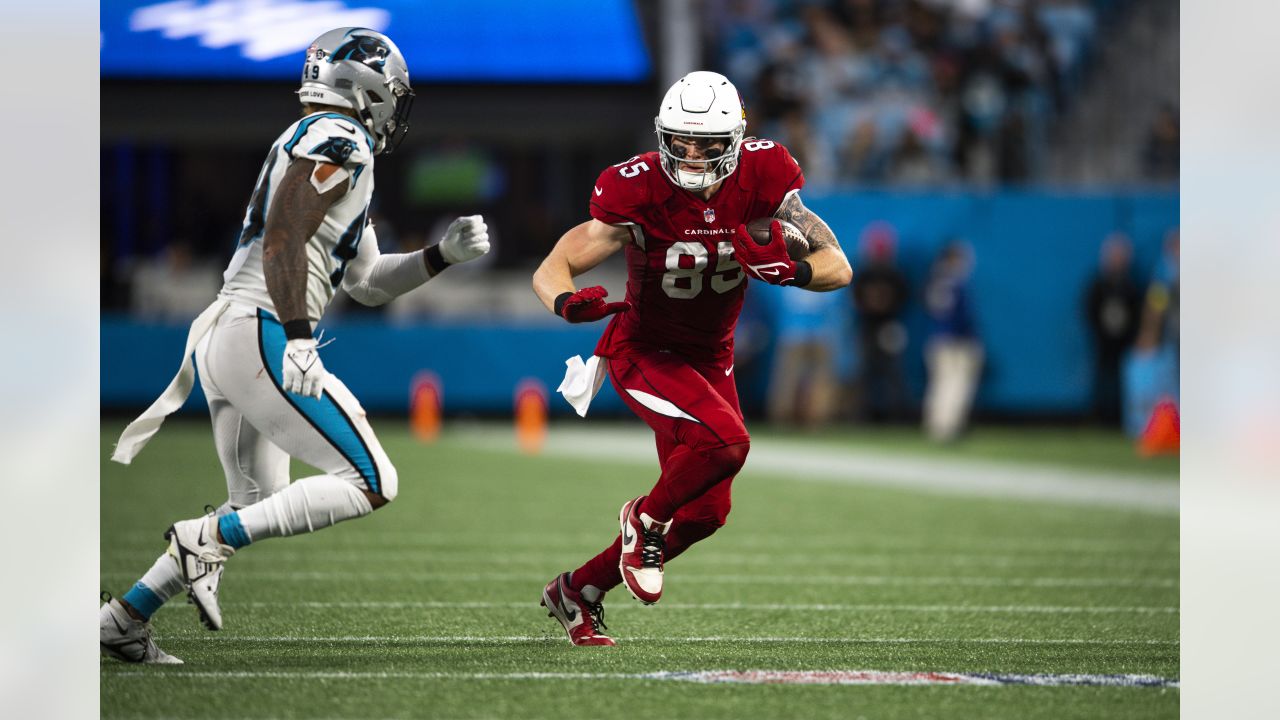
797	245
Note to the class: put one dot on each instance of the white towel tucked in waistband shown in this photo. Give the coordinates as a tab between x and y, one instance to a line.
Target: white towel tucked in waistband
581	382
139	432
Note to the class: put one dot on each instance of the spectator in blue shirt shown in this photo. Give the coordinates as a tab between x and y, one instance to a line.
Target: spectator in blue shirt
953	351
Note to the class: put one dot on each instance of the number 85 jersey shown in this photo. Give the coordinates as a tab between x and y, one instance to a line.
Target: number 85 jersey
683	283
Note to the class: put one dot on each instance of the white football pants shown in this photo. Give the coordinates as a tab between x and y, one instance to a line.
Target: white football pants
257	426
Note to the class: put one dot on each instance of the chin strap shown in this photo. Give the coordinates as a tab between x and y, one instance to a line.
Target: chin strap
366	119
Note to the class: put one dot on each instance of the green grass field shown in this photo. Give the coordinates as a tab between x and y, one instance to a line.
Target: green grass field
429	608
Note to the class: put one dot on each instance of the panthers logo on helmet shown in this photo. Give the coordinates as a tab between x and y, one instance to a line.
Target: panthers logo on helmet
336	149
363	49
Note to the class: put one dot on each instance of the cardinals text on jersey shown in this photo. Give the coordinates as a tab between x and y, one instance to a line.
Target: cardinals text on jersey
685	286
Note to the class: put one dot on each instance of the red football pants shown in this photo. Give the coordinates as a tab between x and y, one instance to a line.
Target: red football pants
701	441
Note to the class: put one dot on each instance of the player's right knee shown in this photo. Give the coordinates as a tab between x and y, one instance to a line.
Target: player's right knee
728	459
707	519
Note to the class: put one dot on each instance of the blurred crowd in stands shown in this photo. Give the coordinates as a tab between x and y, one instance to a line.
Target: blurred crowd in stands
917	92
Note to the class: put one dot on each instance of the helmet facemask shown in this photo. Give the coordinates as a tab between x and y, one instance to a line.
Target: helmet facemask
396	125
715	167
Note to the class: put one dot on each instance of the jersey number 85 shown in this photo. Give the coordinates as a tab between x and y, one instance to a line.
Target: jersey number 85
685	263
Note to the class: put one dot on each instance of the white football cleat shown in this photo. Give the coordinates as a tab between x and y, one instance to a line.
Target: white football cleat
582	619
194	544
644	540
124	637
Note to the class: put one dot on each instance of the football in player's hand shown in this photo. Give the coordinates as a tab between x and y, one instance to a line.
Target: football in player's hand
797	245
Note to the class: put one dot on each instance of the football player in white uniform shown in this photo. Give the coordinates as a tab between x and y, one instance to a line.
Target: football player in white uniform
305	233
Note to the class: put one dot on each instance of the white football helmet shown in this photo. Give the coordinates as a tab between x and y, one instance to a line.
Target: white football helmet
701	105
361	69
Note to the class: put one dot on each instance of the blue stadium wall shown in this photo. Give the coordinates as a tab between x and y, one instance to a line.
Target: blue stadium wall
1035	253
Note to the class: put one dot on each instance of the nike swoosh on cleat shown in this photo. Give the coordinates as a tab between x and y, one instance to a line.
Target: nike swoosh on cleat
118	625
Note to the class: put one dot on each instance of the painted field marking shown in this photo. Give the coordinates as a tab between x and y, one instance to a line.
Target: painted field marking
763	640
470	542
754	677
367	557
878	677
702	579
759	607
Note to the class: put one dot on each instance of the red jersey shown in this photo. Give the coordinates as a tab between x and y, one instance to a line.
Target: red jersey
683	283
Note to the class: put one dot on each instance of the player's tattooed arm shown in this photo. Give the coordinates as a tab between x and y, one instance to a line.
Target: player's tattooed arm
295	214
831	269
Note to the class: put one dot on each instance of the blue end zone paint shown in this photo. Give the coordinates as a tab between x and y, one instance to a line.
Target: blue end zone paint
330	420
232	532
143	599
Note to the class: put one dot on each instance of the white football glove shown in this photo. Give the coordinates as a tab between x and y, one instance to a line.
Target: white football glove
466	239
303	371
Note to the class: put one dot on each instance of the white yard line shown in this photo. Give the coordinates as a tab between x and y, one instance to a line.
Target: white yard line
802	462
764	640
710	559
373	539
749	607
704	579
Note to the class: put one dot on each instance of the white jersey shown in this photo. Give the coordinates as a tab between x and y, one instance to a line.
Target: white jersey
323	137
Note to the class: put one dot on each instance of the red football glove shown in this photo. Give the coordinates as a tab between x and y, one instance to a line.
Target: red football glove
769	263
588	305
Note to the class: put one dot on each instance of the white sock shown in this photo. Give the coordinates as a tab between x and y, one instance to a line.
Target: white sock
154	589
304	506
164	578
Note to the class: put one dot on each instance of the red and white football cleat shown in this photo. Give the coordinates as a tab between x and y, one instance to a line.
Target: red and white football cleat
583	620
643	542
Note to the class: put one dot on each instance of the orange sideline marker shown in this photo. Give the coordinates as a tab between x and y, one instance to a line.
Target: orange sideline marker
426	402
531	415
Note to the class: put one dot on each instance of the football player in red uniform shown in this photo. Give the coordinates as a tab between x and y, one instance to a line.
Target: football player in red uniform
679	214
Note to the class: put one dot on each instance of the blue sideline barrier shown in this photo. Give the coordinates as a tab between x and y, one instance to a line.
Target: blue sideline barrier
479	365
1035	252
